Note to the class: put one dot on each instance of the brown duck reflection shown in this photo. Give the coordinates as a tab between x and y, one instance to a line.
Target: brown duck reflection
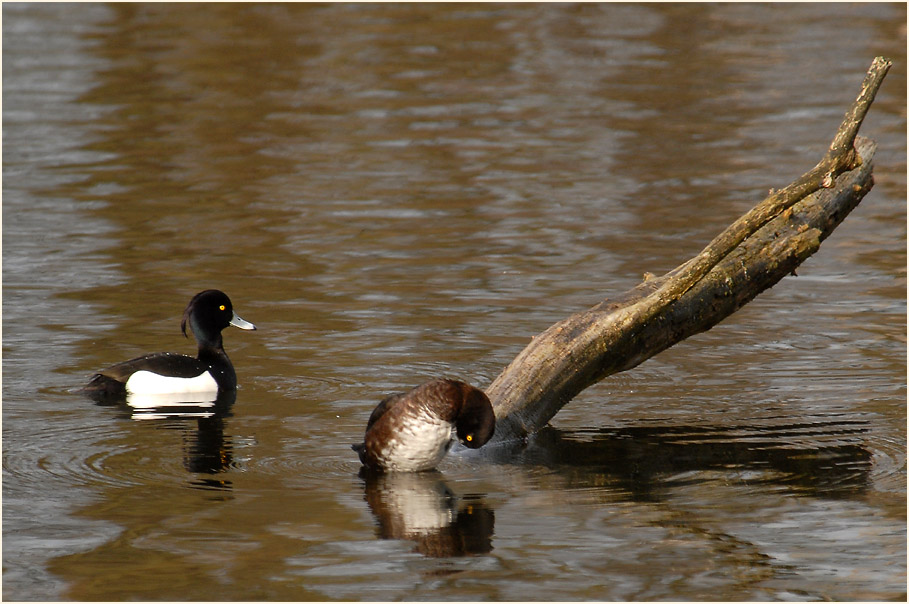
419	507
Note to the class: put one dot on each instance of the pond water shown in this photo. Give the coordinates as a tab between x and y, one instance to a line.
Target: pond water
393	193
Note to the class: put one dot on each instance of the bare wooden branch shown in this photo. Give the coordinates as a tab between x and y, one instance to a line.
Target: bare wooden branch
751	255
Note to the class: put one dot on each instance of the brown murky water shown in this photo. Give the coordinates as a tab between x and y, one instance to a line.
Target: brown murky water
397	192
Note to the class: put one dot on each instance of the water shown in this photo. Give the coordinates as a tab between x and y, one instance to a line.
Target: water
398	192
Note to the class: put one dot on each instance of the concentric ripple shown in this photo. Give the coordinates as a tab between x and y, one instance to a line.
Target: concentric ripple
64	452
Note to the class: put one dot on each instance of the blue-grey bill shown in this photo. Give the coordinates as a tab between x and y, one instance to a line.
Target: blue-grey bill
236	321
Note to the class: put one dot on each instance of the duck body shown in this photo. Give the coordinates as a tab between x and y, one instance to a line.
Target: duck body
412	432
207	314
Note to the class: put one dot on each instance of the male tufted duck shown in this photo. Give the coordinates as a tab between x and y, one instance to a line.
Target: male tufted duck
412	432
161	373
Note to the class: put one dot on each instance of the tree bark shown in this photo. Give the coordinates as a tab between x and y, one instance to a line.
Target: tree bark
751	255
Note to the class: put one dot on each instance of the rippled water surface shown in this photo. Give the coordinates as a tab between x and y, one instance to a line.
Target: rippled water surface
398	192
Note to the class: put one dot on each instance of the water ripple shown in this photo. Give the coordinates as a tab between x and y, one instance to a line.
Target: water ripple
75	457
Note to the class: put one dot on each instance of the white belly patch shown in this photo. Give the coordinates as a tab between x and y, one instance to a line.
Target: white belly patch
146	382
421	444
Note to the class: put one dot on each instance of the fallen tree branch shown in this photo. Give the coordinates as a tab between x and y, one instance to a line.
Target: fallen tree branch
751	255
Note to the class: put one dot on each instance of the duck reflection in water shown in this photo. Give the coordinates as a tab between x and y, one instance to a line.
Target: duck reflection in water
206	449
419	507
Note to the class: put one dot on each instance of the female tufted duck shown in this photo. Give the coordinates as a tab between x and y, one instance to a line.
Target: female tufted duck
412	432
207	314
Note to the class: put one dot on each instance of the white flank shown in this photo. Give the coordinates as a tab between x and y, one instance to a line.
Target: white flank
422	443
146	382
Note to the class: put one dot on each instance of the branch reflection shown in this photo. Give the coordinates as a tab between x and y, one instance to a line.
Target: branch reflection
816	458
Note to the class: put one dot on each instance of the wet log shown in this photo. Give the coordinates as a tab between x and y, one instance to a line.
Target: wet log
750	256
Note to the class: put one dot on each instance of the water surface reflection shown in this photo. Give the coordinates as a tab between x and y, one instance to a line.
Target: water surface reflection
420	507
824	458
205	448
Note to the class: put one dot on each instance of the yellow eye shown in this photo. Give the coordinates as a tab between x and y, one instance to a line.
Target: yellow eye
222	307
469	438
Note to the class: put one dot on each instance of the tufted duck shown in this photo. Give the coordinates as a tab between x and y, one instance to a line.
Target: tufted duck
161	373
412	431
